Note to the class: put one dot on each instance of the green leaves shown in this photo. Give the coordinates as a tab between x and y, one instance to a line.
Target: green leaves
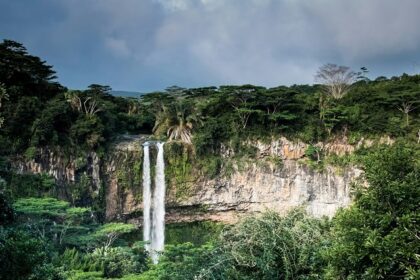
107	234
112	228
49	207
41	206
377	237
22	257
275	247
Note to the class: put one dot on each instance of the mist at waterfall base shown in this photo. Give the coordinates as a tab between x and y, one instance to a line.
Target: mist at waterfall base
154	204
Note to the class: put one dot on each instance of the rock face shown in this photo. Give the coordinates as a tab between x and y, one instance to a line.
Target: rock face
259	189
270	186
255	187
65	168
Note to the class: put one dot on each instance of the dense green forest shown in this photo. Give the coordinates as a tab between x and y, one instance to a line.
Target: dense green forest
42	237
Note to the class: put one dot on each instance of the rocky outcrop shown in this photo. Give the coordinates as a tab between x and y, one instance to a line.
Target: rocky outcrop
268	188
122	174
65	168
106	177
265	185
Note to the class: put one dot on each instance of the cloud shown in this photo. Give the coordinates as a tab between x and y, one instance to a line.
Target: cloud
271	42
118	47
151	44
174	5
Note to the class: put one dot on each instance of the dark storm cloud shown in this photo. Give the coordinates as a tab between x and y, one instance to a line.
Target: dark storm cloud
151	44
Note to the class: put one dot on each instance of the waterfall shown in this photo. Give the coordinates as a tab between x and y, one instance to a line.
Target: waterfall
158	232
154	211
147	196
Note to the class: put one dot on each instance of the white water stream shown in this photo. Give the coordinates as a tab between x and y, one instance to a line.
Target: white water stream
147	197
154	229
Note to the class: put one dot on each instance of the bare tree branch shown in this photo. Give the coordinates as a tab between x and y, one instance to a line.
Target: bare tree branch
336	80
406	108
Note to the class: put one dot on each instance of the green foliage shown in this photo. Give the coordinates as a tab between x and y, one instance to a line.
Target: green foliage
264	247
29	84
46	271
197	233
129	170
277	161
24	257
313	152
179	169
41	206
106	229
80	191
107	234
30	153
105	262
39	112
179	262
377	237
24	185
7	214
82	275
52	219
273	247
119	262
36	111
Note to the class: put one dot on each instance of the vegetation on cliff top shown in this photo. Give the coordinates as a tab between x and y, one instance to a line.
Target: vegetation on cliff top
37	111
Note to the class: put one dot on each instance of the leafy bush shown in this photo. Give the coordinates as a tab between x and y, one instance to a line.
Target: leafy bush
7	214
24	257
110	262
378	236
179	262
273	247
265	247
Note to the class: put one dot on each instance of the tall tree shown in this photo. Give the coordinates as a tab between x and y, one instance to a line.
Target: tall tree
336	80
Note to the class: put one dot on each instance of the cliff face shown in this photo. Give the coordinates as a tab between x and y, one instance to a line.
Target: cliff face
265	185
270	188
253	187
66	169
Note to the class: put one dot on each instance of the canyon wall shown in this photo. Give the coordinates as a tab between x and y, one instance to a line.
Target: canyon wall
259	184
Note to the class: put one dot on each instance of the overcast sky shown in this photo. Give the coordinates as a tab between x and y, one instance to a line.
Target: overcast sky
146	45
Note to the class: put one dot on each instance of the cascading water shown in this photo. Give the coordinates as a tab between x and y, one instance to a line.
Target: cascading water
154	229
158	232
147	197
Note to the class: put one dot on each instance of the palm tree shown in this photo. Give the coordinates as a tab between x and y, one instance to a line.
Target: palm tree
178	121
181	129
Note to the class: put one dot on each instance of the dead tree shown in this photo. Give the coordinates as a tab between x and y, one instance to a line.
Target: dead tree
88	106
406	108
336	80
